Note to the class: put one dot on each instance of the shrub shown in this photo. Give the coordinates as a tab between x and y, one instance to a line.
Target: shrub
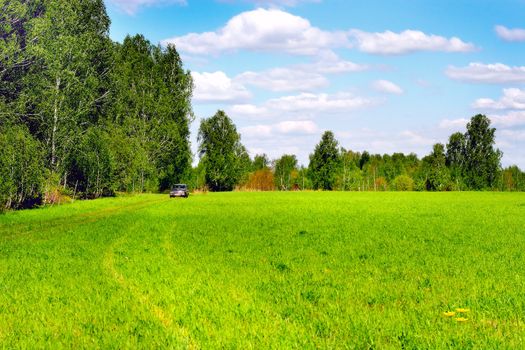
380	184
403	183
261	180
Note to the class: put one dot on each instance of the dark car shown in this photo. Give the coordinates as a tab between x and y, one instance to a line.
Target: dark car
179	190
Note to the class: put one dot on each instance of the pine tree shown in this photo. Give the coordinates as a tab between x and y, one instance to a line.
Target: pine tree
324	162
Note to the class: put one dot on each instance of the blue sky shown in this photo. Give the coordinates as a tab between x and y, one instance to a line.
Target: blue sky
385	76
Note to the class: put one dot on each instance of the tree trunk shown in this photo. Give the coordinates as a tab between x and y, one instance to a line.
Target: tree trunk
55	124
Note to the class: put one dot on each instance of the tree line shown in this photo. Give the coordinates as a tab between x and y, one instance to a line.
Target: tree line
469	161
82	116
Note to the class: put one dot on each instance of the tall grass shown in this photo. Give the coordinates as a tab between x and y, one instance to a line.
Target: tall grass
267	270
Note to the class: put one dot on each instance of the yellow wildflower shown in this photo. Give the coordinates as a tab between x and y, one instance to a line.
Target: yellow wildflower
462	310
449	313
461	319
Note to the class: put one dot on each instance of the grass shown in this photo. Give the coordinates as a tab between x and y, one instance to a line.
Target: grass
267	270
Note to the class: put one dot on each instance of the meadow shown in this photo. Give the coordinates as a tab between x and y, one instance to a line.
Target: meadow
267	270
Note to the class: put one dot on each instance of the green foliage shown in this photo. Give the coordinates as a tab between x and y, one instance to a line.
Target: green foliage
92	166
21	168
434	170
260	161
131	166
61	77
482	160
66	87
348	177
324	162
266	271
16	19
224	157
103	117
365	158
152	104
403	183
285	172
512	179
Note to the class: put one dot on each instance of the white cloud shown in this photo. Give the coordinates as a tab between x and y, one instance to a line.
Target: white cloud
262	30
330	63
497	73
513	135
131	7
274	30
218	87
300	77
390	43
284	79
315	103
507	34
295	127
512	99
302	105
453	124
248	110
256	131
274	2
510	119
387	87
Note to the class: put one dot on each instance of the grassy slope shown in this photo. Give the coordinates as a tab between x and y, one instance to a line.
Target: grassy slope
256	270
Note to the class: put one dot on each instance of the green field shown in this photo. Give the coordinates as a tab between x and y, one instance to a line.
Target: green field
266	270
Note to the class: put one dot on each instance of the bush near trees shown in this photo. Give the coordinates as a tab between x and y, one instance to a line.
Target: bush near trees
260	180
403	183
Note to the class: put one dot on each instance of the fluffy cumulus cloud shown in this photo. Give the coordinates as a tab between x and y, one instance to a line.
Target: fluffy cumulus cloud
507	34
386	86
263	30
274	30
390	43
512	98
218	87
132	6
496	73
